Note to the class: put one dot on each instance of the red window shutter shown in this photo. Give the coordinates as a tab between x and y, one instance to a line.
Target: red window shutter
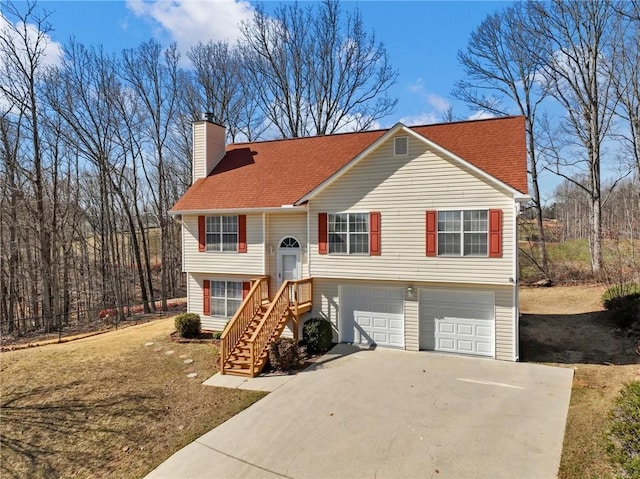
242	233
246	287
202	234
206	298
432	233
322	233
495	233
374	234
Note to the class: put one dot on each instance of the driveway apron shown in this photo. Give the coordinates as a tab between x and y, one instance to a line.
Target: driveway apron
392	414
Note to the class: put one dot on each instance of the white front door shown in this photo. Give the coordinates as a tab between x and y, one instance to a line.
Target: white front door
289	267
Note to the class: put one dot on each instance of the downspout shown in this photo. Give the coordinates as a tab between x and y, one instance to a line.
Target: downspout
516	282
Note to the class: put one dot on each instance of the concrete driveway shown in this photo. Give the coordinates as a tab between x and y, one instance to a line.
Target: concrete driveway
395	414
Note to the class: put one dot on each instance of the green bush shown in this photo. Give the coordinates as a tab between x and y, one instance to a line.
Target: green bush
623	301
285	354
188	325
624	432
317	335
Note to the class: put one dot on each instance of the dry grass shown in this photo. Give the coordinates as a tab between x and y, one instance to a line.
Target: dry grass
562	323
107	406
595	389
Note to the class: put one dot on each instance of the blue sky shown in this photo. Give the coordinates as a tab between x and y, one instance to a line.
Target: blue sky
422	37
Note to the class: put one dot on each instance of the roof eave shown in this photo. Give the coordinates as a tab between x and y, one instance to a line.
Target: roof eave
399	126
271	209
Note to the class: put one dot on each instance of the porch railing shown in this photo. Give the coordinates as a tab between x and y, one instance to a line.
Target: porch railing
232	333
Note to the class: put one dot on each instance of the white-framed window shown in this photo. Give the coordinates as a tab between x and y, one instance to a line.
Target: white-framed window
222	233
463	233
348	233
226	297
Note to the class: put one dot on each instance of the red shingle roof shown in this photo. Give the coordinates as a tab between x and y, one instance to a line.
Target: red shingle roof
280	172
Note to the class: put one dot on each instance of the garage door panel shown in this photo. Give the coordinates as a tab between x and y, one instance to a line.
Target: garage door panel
457	321
372	315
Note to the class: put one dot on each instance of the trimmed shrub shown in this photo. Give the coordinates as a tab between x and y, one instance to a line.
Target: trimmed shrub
624	432
188	325
623	301
285	354
317	335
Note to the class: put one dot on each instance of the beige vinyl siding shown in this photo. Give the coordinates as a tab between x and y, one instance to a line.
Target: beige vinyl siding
411	336
402	188
249	263
209	145
198	167
326	304
195	301
280	226
504	314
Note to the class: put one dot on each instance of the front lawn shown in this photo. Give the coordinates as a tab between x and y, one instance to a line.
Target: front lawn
109	405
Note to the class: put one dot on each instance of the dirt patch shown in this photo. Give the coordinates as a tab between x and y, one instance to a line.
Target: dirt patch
568	325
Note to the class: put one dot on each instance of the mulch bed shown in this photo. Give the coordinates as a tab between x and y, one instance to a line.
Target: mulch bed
203	337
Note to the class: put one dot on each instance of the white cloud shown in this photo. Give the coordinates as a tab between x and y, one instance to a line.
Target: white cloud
52	50
481	115
421	119
191	21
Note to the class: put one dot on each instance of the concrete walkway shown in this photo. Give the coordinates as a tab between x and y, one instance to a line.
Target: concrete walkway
395	414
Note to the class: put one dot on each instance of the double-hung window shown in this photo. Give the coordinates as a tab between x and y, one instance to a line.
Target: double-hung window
222	233
226	297
463	233
348	233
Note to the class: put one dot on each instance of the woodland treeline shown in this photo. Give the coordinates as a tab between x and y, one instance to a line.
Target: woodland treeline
96	146
572	68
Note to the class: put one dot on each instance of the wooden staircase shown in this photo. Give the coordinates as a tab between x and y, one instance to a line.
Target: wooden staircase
244	344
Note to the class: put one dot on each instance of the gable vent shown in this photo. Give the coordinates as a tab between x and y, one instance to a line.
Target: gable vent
401	145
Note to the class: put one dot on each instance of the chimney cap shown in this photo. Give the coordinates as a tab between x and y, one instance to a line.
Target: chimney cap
208	116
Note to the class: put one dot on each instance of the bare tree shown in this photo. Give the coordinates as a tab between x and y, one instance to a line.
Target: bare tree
316	71
220	89
499	66
625	75
23	42
577	38
155	77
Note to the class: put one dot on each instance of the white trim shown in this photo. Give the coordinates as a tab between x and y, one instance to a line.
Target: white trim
516	292
443	151
280	251
277	209
309	244
265	251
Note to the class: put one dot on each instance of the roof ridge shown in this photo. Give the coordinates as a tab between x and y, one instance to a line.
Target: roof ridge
377	130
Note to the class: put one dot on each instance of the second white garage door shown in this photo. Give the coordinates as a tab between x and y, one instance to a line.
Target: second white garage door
457	321
372	315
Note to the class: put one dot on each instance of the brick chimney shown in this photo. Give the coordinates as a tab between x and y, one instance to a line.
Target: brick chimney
208	146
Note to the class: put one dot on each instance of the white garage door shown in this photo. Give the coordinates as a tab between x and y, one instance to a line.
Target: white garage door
372	316
457	321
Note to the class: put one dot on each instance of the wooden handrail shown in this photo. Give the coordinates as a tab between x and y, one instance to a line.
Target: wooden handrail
243	316
260	338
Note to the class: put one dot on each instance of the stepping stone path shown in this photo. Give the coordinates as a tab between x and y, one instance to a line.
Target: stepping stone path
183	356
148	344
169	352
192	375
188	361
157	350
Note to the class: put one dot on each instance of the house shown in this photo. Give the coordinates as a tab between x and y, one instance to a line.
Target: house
403	238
